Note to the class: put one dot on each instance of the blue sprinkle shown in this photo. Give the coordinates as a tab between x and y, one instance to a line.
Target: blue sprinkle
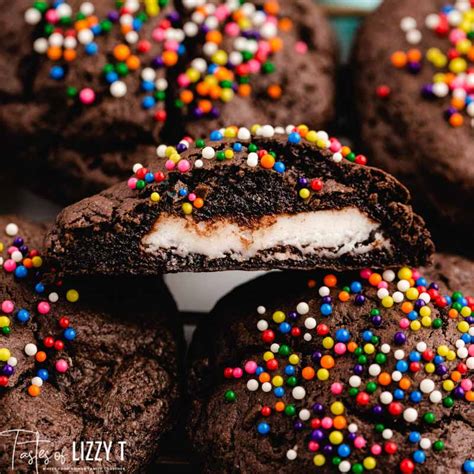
43	374
416	396
147	86
263	428
326	309
343	335
149	177
279	392
401	366
356	287
468	465
367	336
39	288
398	394
237	147
21	272
111	77
294	138
70	334
414	437
419	457
183	192
289	370
279	167
56	73
91	48
216	135
284	328
148	102
23	315
344	450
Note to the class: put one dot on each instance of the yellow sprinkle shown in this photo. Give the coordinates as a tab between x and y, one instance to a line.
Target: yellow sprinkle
404	273
336	437
369	463
4	354
319	460
277	381
279	316
322	374
37	261
4	321
155	197
415	325
304	193
293	359
426	322
387	301
268	356
187	208
328	342
448	385
72	296
337	408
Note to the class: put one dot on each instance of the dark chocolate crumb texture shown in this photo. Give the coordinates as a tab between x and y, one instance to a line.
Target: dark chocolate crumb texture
414	67
80	362
85	81
352	372
244	199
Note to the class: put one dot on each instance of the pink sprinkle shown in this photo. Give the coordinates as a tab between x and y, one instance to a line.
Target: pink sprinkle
237	372
87	96
250	367
254	66
456	35
183	80
326	422
158	35
360	442
12	249
471	350
404	323
9	265
301	47
335	145
52	16
466	384
313	446
43	307
184	166
132	183
340	348
192	197
8	306
365	273
172	45
232	29
382	284
376	449
170	165
415	274
221	13
336	388
61	366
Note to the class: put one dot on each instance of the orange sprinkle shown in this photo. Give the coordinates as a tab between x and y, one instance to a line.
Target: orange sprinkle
327	362
205	106
81	25
339	422
267	161
470	396
407	307
126	29
308	373
399	59
375	279
384	378
456	120
302	130
414	55
92	20
330	280
54	53
343	296
271	7
70	55
28	263
202	88
311	283
274	91
285	24
404	383
121	52
40	356
215	92
34	390
276	44
456	376
244	90
170	58
198	203
264	377
345	150
133	62
279	406
458	103
453	313
186	96
214	37
351	346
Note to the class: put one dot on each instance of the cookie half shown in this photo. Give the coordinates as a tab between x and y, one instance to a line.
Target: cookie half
339	373
414	93
273	198
80	362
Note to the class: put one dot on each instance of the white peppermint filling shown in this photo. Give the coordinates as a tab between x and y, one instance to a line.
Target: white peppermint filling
331	233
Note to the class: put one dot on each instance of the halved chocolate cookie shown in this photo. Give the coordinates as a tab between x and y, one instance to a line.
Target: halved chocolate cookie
273	198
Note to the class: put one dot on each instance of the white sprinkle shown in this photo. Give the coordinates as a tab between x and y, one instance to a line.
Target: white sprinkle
298	393
262	325
38	381
243	134
31	349
291	454
12	361
40	45
410	415
304	414
425	443
413	36
138	166
388	275
302	308
11	229
148	74
32	16
310	323
387	433
407	23
252	385
252	160
208	153
53	297
118	89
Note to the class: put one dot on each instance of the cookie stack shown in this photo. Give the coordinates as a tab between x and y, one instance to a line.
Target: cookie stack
357	355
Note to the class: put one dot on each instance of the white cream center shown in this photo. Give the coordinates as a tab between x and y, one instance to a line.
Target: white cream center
330	232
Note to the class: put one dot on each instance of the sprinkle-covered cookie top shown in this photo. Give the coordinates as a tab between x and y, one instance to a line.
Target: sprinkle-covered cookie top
452	64
217	50
23	270
234	144
380	390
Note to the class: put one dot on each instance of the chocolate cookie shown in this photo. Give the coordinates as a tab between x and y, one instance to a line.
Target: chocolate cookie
87	85
414	94
81	362
242	200
342	373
